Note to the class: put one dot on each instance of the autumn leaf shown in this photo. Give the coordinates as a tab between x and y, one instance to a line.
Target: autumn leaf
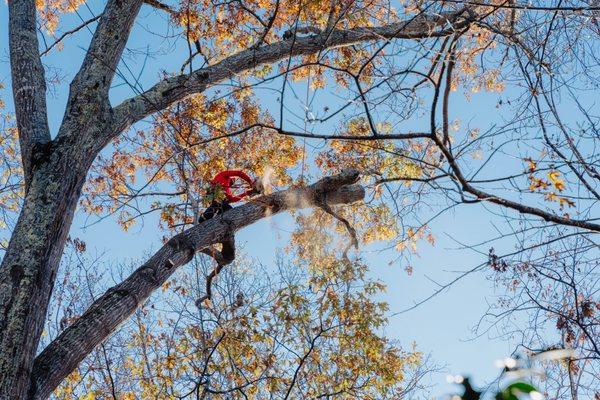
531	165
556	180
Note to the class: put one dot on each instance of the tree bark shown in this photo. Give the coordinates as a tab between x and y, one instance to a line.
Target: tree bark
29	83
29	267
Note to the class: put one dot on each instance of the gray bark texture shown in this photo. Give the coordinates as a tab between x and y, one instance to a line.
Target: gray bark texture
55	171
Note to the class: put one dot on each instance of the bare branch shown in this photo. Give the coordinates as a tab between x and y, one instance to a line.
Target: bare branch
209	279
521	208
351	231
70	32
526	7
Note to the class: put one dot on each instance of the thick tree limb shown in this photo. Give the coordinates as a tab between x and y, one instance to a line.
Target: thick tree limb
176	88
103	55
29	266
88	114
101	319
28	82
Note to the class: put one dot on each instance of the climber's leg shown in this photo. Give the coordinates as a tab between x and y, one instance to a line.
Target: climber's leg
228	249
215	208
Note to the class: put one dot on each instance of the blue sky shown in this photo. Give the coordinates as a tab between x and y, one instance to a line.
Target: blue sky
441	326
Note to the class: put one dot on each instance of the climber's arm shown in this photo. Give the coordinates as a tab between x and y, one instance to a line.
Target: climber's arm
236	174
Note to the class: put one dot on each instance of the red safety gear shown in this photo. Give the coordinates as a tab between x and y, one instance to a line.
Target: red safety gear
226	179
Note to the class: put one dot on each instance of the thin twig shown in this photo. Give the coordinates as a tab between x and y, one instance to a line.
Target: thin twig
72	31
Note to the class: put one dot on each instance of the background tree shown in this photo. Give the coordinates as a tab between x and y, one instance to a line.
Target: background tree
397	67
551	302
298	334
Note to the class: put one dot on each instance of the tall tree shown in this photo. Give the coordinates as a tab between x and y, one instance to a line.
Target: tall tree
55	170
396	66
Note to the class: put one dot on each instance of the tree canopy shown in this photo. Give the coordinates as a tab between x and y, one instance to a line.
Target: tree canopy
367	121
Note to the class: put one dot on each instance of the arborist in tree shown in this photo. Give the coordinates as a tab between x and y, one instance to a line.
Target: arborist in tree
225	188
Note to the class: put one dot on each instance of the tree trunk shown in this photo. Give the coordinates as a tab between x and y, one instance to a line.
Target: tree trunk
30	264
55	172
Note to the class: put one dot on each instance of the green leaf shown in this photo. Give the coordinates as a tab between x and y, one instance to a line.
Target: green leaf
521	387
